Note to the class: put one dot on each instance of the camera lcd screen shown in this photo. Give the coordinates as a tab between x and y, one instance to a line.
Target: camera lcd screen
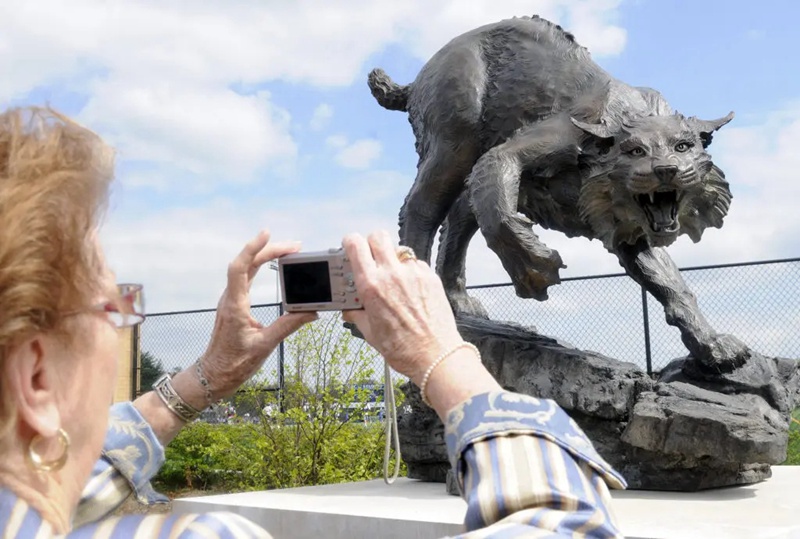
307	282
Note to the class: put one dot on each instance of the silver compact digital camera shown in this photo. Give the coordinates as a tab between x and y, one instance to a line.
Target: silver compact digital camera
318	281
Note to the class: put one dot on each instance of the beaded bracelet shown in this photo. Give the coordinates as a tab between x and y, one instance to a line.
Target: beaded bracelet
423	385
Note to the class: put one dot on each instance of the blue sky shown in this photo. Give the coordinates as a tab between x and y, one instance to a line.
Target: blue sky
233	116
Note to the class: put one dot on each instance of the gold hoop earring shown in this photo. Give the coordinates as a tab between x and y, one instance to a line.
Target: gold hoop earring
38	463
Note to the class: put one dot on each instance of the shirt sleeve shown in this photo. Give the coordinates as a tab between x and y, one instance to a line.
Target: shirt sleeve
212	525
526	469
131	456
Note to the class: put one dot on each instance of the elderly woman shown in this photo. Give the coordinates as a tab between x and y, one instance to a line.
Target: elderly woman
67	462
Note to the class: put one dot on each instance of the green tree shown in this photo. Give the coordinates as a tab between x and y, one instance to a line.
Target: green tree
316	438
327	381
150	369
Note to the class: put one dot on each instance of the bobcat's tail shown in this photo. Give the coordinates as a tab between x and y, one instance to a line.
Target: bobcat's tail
388	93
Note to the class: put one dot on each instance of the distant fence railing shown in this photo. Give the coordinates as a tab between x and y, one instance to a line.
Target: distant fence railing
759	302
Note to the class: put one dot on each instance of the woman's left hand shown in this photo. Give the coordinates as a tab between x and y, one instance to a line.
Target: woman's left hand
239	343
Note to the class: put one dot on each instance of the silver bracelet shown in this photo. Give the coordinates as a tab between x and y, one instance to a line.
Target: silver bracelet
198	369
424	384
173	401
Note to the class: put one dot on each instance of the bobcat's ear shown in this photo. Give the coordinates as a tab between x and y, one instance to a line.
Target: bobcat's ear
600	130
604	139
706	128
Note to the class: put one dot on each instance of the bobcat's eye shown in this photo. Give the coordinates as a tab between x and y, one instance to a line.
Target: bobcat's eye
636	152
683	146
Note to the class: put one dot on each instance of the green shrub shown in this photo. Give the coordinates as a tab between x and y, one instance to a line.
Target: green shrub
793	450
203	455
242	457
303	440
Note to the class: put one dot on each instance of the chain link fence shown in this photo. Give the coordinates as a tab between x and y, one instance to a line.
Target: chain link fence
172	341
758	302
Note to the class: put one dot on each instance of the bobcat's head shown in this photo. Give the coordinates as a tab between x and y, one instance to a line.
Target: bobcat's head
651	177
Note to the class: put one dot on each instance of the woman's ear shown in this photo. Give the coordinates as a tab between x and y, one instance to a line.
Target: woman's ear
32	381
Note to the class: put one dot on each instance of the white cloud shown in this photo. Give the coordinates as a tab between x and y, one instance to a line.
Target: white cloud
591	21
336	141
202	129
592	24
321	117
176	85
305	41
360	154
153	179
160	77
181	253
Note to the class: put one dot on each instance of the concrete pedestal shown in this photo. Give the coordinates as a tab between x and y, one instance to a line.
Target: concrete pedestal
410	509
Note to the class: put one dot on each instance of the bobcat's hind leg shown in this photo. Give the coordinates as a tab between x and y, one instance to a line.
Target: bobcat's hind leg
457	231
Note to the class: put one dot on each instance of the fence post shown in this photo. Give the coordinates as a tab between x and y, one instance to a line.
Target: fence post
281	406
646	319
136	368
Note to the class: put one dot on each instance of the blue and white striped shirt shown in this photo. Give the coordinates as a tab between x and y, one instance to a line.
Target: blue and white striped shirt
526	470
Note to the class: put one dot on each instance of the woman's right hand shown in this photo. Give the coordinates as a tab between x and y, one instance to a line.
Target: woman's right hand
406	315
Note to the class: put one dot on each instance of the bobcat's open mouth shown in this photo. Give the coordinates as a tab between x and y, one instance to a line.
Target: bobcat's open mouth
661	209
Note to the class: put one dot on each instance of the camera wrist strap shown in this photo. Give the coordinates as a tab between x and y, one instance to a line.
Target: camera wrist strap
391	427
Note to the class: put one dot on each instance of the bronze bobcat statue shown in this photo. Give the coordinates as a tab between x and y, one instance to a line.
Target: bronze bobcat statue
515	125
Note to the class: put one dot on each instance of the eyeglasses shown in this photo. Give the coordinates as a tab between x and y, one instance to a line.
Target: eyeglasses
127	308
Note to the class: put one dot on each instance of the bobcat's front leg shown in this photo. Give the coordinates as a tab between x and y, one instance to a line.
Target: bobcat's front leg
494	196
653	268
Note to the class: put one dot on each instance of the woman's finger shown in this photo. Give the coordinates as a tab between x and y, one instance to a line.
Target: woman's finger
271	251
354	316
358	251
383	250
239	268
274	250
287	324
255	253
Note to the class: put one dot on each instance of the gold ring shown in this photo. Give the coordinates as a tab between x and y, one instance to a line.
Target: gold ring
406	253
